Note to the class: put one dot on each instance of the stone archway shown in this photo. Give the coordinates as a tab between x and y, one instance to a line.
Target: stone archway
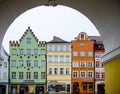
103	13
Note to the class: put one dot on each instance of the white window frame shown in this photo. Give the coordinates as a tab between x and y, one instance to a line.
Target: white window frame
82	65
89	63
13	63
90	74
49	71
67	59
56	48
73	74
61	48
81	74
50	48
35	63
61	71
43	63
28	40
90	53
21	62
62	59
50	59
82	53
55	59
75	53
75	64
67	48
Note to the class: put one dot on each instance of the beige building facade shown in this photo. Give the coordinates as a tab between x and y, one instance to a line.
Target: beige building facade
58	66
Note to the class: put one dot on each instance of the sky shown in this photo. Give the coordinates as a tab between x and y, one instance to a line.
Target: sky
48	21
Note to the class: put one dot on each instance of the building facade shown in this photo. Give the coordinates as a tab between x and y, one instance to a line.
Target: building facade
4	72
82	65
99	69
27	65
58	66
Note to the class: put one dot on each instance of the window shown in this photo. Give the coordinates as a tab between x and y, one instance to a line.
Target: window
102	65
61	48
67	48
82	54
97	74
67	71
28	75
13	75
61	59
75	74
21	63
90	74
13	63
90	64
5	75
55	71
5	64
82	64
35	63
42	75
90	87
43	63
50	71
68	59
90	54
28	40
61	71
75	64
103	75
97	64
20	75
50	59
50	48
82	74
84	87
14	51
75	53
35	51
82	44
55	59
35	75
56	48
28	51
28	63
97	55
21	51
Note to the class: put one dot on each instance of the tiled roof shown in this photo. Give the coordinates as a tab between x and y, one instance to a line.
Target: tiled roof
96	38
57	40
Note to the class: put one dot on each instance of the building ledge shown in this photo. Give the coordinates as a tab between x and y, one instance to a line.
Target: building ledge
108	56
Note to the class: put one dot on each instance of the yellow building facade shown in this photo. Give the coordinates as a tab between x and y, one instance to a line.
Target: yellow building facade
58	66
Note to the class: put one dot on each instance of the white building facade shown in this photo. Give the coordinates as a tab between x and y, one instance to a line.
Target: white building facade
3	72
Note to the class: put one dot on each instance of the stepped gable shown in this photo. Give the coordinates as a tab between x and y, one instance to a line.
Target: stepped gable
30	30
16	43
57	40
42	43
96	38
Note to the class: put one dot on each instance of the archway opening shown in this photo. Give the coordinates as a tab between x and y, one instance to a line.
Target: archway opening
50	21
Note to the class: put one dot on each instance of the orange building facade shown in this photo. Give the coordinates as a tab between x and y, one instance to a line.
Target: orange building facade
82	65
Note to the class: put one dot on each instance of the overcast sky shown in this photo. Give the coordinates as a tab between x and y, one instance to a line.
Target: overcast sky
47	22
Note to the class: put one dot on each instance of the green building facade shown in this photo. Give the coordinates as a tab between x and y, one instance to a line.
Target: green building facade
27	71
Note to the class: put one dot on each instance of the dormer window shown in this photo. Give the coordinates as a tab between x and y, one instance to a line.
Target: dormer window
82	36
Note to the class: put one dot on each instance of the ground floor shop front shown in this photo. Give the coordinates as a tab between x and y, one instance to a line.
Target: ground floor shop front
83	88
99	87
59	87
3	88
25	88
